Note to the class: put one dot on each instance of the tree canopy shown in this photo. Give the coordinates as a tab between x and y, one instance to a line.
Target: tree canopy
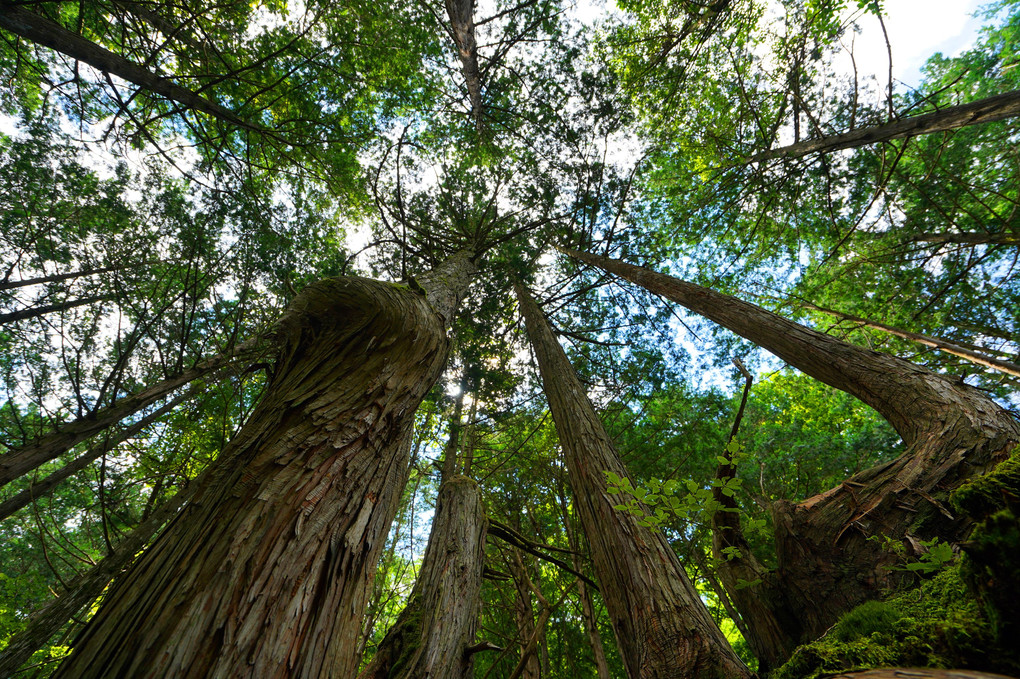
197	201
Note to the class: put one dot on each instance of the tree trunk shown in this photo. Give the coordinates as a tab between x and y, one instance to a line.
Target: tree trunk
42	31
462	23
18	461
527	666
588	617
38	489
662	627
431	637
267	570
8	284
990	109
763	622
952	432
36	311
966	238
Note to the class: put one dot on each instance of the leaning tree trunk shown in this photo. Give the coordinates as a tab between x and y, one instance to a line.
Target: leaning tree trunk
266	571
952	432
990	109
21	460
662	627
432	635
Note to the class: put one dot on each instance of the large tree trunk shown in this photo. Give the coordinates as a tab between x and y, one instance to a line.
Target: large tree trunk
437	626
662	627
952	432
266	571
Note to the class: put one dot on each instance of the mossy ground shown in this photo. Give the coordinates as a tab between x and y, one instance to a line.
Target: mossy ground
966	616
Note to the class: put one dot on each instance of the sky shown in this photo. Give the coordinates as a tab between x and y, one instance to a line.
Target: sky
917	29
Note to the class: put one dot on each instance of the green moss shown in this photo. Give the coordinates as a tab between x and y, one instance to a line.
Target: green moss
997	490
872	617
968	615
939	624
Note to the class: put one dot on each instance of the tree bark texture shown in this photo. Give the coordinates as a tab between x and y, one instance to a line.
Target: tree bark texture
662	627
990	109
19	461
266	571
432	633
952	432
462	23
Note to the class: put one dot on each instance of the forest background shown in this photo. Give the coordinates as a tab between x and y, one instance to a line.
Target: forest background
182	174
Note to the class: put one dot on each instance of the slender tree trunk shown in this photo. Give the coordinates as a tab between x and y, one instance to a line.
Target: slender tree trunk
42	31
591	626
36	311
57	277
764	622
966	238
952	432
990	109
662	627
267	570
434	631
19	461
36	490
524	614
462	22
947	346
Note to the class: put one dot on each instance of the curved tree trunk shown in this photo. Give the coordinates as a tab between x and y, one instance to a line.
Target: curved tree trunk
265	573
952	432
662	627
431	637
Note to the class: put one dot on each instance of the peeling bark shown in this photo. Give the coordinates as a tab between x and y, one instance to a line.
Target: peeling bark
951	431
662	627
434	631
266	572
